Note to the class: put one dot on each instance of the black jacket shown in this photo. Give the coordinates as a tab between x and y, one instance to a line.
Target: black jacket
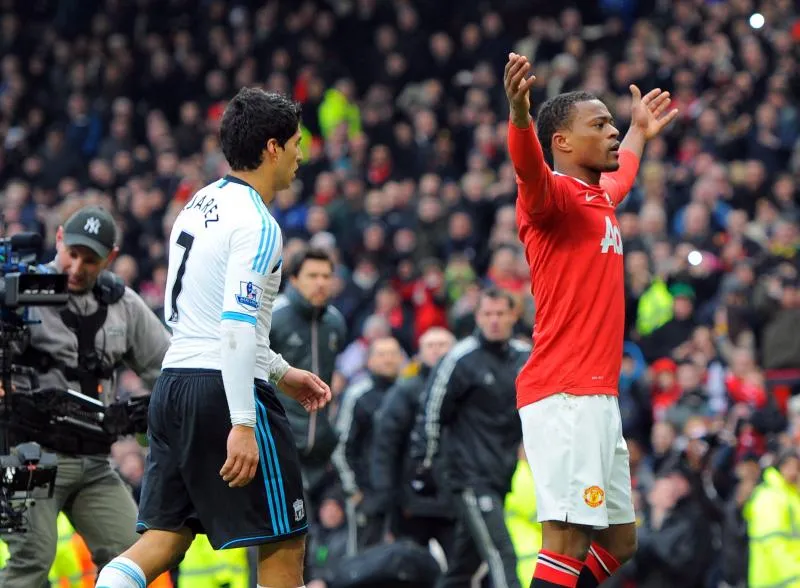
399	449
326	548
309	338
679	553
735	548
471	414
354	424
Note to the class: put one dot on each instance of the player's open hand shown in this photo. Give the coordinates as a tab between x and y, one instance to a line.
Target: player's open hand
240	466
306	388
518	86
649	112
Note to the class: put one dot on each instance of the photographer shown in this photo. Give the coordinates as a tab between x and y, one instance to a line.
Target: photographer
80	346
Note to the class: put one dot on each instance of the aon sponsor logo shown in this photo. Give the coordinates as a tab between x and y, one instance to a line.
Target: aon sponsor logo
612	241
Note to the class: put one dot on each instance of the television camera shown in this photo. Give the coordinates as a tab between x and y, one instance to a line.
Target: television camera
54	417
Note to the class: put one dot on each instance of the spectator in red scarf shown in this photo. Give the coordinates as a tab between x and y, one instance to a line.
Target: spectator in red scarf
745	381
380	165
666	391
429	297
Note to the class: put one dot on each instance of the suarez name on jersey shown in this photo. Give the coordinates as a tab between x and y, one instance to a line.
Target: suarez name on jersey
574	249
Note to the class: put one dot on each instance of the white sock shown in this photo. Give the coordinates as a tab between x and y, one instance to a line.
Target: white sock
121	572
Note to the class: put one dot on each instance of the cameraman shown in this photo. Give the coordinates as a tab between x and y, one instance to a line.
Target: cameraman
80	346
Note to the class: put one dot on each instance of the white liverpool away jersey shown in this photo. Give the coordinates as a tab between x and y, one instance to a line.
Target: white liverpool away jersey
224	263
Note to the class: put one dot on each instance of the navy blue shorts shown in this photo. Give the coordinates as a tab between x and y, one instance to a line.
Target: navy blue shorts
188	433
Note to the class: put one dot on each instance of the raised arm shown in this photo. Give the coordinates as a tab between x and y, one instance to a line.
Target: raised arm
648	119
537	188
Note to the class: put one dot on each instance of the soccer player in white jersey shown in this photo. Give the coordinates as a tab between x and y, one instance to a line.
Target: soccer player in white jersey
222	459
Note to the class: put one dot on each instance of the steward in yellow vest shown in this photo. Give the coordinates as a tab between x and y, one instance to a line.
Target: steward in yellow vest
202	567
524	529
773	526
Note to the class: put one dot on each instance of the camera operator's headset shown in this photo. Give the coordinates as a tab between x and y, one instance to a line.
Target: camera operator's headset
108	289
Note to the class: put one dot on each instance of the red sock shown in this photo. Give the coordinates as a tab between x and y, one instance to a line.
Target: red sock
553	569
600	564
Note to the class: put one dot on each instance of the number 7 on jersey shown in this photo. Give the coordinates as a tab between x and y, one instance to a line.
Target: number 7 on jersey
185	241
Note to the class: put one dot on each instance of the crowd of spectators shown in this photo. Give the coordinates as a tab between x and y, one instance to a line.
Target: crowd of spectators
408	182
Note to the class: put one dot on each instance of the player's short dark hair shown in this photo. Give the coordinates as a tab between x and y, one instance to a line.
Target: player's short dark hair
495	293
556	114
313	253
250	120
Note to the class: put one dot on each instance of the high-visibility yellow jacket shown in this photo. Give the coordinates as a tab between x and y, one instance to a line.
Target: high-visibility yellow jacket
773	526
654	308
3	554
524	529
202	567
69	569
72	566
336	109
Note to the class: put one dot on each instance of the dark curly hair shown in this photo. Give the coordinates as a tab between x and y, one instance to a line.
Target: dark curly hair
252	118
556	114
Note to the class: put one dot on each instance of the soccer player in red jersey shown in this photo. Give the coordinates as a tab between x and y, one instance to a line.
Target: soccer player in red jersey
567	391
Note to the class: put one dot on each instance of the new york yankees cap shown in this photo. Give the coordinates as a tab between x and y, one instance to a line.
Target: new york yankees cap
92	227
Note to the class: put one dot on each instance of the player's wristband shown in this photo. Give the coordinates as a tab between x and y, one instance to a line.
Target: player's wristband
278	368
246	418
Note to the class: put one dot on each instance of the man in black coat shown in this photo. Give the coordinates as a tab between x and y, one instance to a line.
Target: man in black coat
676	546
399	448
472	429
309	333
354	425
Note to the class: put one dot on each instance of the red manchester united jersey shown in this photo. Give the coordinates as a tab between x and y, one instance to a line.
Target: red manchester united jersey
574	249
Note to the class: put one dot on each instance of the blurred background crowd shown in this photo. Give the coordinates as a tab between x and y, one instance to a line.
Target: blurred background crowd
408	185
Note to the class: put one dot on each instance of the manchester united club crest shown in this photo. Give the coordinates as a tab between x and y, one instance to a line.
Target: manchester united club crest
594	496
